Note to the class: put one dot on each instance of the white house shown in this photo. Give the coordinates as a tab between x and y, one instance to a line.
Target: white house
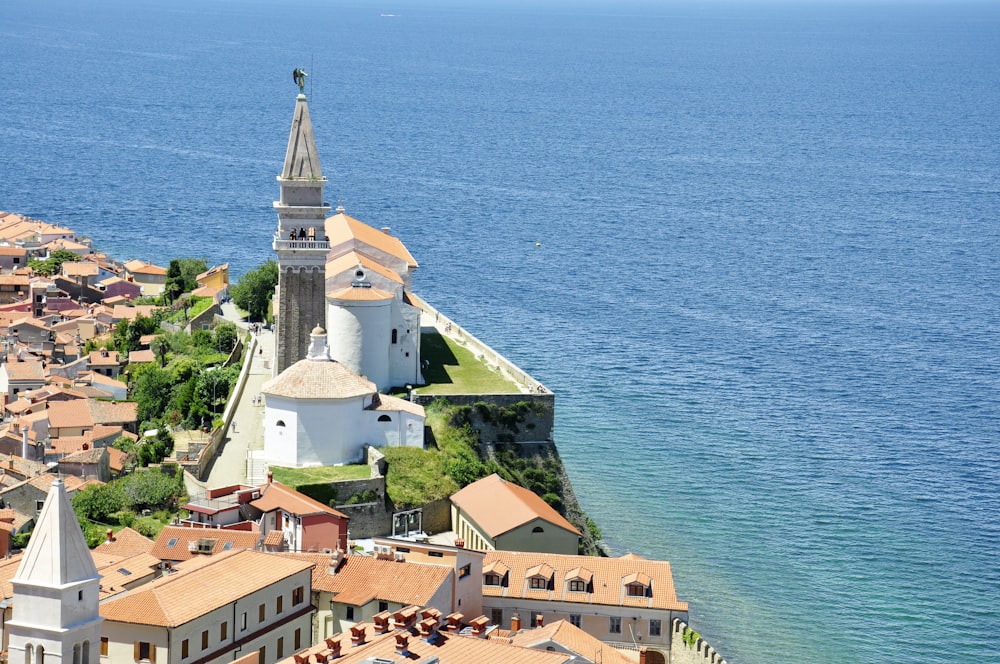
320	413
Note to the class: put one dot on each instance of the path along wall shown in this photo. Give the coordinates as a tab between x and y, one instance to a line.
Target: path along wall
686	647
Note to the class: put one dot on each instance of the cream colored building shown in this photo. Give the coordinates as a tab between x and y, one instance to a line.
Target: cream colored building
212	610
493	513
625	601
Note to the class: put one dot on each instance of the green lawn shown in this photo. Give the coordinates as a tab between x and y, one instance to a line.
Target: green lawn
294	477
453	369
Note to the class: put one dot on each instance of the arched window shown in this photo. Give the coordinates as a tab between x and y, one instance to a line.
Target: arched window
86	652
384	418
538	529
27	652
395	335
76	653
39	655
280	423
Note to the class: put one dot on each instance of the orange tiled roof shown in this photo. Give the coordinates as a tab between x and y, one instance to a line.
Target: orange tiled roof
352	294
312	379
610	576
278	496
448	647
361	579
184	596
340	228
126	542
182	536
498	506
25	370
349	263
572	638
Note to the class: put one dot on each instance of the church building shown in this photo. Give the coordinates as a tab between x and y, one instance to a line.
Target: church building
341	273
320	413
325	403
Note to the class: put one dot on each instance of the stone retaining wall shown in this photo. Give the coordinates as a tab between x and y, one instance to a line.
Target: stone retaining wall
682	653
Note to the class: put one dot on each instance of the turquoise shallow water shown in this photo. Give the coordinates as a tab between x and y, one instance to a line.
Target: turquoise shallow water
766	291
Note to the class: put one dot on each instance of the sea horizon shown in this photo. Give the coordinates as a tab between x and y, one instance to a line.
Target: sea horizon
752	248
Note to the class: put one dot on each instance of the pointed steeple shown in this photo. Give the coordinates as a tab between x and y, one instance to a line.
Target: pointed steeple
56	615
300	241
301	158
57	553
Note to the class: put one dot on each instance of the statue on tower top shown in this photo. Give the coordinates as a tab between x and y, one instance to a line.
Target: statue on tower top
299	76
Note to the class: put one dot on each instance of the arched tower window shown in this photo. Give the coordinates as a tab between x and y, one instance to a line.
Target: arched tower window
86	652
28	648
76	653
395	335
39	655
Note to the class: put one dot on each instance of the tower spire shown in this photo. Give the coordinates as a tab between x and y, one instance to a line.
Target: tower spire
300	241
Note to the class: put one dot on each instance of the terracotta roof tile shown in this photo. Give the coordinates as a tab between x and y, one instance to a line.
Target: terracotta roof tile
181	537
317	379
610	576
447	647
573	639
126	542
340	228
499	506
186	595
276	495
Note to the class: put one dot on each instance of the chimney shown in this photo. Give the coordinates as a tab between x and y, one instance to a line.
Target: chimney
460	543
479	626
402	643
428	628
515	623
335	559
454	621
111	535
300	659
24	442
642	655
539	621
382	622
357	635
270	477
334	648
386	230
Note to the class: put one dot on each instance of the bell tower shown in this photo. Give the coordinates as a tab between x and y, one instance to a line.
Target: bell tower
300	242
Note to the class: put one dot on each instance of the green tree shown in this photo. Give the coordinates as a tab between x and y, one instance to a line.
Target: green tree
53	263
182	276
225	337
253	291
98	502
152	391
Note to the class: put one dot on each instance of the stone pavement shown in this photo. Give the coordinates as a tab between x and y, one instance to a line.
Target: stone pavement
246	432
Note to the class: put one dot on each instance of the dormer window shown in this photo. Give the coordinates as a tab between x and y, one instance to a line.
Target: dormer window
638	585
579	580
491	580
538	583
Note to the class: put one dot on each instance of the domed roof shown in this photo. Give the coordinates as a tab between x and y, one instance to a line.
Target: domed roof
307	379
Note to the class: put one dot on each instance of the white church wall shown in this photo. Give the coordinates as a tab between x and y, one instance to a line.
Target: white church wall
404	355
281	432
344	334
359	335
332	432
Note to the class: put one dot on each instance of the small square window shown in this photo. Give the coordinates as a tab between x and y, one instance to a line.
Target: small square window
615	625
655	628
185	649
574	619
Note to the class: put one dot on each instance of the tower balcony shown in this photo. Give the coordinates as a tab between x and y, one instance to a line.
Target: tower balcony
295	245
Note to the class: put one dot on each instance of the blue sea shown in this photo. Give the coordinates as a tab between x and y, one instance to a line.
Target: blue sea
754	248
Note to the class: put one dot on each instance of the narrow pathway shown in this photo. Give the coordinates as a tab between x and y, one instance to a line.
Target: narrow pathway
246	432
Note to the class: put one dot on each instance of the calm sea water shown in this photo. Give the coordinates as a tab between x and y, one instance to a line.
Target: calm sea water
766	286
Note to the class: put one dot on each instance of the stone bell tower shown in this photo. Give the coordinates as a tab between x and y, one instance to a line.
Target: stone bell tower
300	242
